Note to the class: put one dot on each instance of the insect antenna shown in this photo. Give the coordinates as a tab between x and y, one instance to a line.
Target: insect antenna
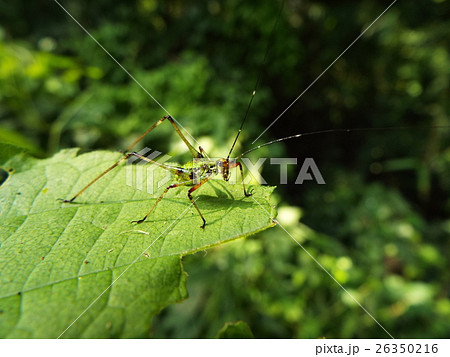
329	131
258	80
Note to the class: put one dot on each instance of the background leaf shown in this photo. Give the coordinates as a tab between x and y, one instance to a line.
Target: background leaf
237	329
56	258
7	151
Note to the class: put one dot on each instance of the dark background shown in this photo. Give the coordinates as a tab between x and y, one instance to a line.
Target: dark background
380	225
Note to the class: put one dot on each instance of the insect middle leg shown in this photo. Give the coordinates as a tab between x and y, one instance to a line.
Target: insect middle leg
195	187
193	202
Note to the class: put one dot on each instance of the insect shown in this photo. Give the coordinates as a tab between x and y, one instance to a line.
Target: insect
195	176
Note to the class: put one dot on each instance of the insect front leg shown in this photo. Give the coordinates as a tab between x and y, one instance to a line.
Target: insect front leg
238	164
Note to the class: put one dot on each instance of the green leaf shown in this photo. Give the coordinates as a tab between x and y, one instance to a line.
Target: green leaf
56	258
237	329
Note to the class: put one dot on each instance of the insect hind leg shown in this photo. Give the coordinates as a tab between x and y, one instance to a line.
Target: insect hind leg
125	157
158	200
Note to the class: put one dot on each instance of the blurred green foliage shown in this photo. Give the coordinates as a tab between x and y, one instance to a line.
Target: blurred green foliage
380	225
